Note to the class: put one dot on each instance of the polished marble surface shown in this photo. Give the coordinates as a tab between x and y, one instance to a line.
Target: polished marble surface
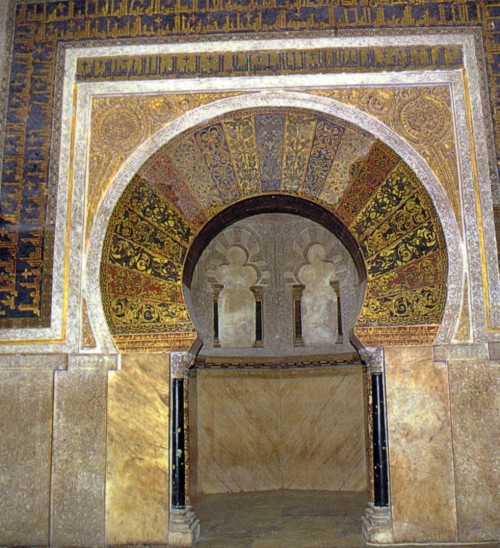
420	446
259	430
25	455
78	472
475	400
137	451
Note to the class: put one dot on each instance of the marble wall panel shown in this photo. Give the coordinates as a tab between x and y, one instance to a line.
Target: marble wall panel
323	430
137	459
79	457
238	431
475	389
420	446
277	429
25	447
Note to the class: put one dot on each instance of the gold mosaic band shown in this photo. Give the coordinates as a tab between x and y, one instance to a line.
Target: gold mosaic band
268	62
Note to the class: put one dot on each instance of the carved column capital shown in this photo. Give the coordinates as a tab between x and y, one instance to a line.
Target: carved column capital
180	362
373	357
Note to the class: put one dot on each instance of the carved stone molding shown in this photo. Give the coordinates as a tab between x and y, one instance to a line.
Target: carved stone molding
183	527
461	352
377	524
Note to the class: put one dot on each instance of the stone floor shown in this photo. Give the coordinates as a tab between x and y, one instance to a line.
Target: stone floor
284	519
280	519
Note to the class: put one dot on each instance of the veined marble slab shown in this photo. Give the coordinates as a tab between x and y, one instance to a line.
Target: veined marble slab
286	429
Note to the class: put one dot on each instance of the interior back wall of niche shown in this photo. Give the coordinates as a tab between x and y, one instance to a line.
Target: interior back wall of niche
277	245
263	430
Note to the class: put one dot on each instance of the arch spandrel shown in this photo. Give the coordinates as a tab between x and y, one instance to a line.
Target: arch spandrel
273	151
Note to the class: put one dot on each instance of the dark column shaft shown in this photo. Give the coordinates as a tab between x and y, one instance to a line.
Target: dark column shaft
216	320
380	468
258	321
177	440
339	318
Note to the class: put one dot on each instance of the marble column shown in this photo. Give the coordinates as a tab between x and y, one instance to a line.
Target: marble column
377	523
184	526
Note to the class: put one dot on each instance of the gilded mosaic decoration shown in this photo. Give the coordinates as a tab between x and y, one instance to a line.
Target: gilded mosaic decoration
120	124
144	252
266	62
382	203
27	202
422	116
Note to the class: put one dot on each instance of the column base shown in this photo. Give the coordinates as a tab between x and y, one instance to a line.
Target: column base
183	528
377	524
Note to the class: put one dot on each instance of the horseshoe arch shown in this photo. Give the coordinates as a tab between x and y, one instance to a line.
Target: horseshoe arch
274	144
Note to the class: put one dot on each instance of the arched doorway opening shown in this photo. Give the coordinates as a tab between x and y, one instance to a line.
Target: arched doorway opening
272	153
277	412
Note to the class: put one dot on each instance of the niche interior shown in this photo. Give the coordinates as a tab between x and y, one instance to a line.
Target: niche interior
276	394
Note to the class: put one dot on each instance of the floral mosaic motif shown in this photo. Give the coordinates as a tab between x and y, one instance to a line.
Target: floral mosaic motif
134	257
327	138
424	272
415	306
379	197
191	167
145	248
132	315
240	135
143	198
128	283
213	145
421	241
269	130
162	175
299	134
355	146
400	185
366	176
412	213
134	228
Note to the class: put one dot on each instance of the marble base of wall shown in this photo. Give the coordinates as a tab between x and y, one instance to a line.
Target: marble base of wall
84	451
137	483
26	404
84	455
422	479
79	456
278	429
475	390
